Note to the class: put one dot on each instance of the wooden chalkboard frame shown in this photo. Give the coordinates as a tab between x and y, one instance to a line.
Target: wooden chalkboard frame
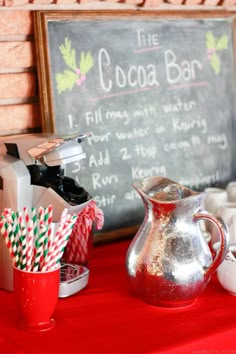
41	18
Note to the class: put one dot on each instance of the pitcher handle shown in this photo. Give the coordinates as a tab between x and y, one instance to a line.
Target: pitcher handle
224	239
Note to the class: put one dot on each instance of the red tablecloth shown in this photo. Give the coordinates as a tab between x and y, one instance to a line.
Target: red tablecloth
105	318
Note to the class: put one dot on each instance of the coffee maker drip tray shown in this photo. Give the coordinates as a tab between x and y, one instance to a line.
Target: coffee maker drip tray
73	278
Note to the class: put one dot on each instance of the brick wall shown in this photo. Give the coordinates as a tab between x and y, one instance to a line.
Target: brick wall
34	4
19	102
19	110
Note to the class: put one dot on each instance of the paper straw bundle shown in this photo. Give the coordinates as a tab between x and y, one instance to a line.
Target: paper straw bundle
30	240
77	248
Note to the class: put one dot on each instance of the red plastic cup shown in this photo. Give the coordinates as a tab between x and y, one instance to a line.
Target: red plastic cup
36	295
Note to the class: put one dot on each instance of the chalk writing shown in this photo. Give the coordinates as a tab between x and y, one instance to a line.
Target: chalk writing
145	39
180	71
157	96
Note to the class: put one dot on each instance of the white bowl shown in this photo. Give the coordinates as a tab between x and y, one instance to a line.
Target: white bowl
226	273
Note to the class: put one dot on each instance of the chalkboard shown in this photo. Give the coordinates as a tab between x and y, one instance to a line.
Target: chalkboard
157	94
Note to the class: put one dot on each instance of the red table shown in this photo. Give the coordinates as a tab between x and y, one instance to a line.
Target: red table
105	318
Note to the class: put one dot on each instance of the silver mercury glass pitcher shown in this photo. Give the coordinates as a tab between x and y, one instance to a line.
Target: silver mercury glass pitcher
168	262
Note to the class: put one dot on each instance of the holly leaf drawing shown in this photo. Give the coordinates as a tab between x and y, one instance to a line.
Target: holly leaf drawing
66	80
215	63
213	46
86	62
77	74
222	43
68	54
210	40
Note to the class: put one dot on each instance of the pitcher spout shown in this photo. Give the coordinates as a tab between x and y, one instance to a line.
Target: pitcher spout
162	189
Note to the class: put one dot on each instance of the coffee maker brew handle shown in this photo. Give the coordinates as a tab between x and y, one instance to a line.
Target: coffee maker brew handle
224	239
